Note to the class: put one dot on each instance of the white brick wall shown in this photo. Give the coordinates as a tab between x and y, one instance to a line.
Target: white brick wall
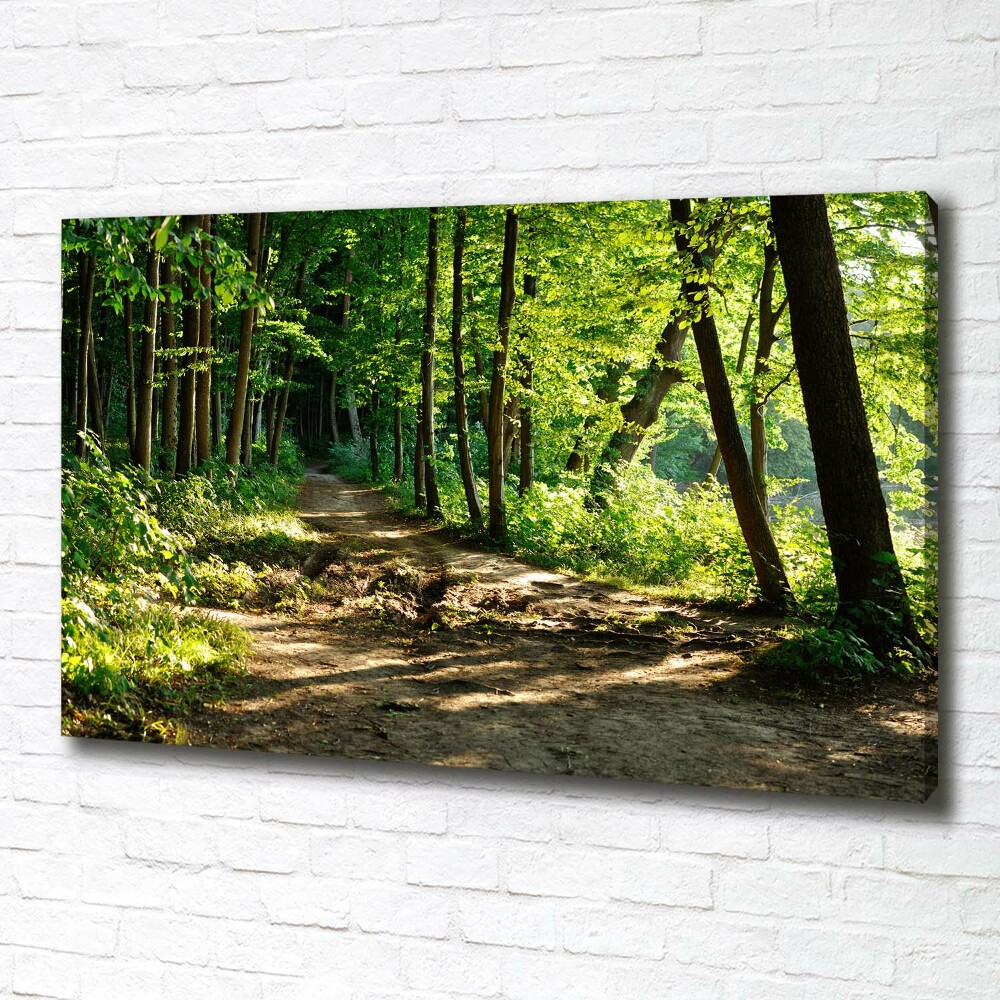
131	871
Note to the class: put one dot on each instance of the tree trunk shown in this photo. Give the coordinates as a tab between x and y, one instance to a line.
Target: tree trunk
279	418
168	408
477	357
95	396
641	411
713	470
203	385
334	424
87	269
495	436
190	322
419	495
767	564
461	409
427	366
766	339
397	421
234	435
130	365
147	367
526	442
373	438
864	561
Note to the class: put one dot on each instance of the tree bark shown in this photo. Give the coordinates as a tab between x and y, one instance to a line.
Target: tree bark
168	408
334	429
234	435
641	411
767	564
397	421
190	323
427	367
203	384
373	457
857	523
87	269
766	339
495	436
279	417
127	310
461	406
147	367
526	441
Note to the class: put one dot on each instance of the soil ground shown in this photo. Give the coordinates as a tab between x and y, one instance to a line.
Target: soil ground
425	649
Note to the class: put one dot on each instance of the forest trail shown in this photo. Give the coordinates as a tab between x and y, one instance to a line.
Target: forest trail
429	650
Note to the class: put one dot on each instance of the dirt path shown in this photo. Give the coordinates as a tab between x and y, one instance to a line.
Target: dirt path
428	650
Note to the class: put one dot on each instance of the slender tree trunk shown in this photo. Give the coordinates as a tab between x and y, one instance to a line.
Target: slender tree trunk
397	421
373	438
766	339
279	419
477	357
96	397
495	436
203	385
526	464
641	411
190	323
461	412
147	368
234	435
168	408
130	365
864	560
334	430
427	366
419	494
87	269
767	564
345	319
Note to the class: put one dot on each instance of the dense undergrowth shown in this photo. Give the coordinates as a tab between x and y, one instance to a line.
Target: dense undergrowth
142	556
686	542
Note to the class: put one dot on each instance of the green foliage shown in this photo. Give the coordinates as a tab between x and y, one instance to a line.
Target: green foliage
821	655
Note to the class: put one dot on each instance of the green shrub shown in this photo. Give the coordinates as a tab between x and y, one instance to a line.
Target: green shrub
822	655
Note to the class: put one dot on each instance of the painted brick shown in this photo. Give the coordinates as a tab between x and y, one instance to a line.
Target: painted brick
130	871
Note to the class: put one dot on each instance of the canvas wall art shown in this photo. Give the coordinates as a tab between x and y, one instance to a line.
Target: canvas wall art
636	490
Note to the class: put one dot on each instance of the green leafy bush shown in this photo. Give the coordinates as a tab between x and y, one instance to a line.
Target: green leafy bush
822	655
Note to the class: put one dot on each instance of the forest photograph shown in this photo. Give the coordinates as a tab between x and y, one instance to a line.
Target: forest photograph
637	490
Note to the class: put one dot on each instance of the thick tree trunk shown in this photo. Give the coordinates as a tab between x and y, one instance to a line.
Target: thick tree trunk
203	385
87	269
713	469
168	408
767	564
234	435
495	436
147	368
190	322
461	409
857	523
427	367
